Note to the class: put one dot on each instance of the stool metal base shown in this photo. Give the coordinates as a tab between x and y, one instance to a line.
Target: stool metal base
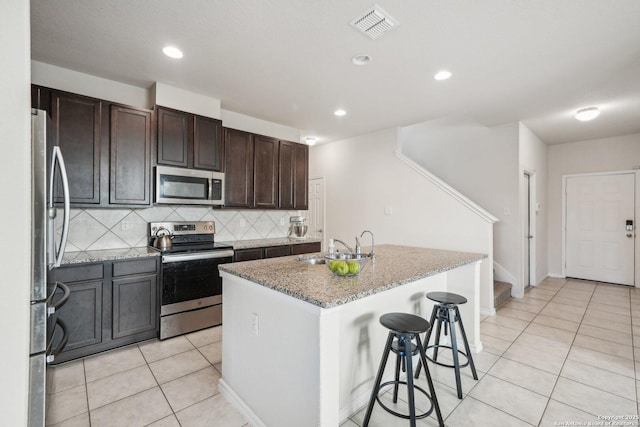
449	315
401	344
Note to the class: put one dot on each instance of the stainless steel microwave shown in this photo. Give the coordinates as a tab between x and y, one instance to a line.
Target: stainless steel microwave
179	186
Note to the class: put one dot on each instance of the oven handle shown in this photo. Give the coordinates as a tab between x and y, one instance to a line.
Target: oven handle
196	256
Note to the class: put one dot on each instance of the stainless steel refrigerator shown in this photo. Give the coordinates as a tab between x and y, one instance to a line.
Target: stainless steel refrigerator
49	180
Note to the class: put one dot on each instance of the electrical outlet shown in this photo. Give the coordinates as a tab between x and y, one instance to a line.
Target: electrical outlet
125	225
388	210
255	323
243	223
282	221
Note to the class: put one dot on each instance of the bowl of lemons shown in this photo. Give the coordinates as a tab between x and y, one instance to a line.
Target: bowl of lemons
346	263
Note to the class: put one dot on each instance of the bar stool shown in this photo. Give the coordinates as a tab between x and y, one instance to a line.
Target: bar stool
446	311
403	329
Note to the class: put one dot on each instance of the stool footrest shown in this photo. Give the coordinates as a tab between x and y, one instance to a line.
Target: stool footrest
405	416
461	365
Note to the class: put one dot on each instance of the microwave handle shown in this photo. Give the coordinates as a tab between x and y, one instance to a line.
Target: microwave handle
210	192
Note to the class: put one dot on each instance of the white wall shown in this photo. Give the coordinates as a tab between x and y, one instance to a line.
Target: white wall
363	176
533	159
15	134
598	155
482	164
85	84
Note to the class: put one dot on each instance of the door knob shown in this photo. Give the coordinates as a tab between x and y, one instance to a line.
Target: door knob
629	235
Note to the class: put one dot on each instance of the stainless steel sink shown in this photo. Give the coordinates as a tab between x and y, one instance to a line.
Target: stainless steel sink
312	260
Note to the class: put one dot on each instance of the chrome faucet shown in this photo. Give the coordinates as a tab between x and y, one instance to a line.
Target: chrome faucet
343	244
372	254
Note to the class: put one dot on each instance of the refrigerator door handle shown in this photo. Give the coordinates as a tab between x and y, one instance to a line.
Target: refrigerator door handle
57	253
53	353
51	308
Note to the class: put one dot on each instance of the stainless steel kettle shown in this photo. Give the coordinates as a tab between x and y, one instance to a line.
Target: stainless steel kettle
163	241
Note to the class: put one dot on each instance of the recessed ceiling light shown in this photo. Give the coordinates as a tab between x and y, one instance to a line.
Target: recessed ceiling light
310	141
442	75
586	114
339	113
172	52
361	60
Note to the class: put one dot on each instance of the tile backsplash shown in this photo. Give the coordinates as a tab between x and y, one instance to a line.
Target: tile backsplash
98	229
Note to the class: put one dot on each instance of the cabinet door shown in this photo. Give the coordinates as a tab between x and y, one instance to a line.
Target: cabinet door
135	306
265	172
173	137
238	168
82	314
286	175
130	162
301	177
208	145
76	129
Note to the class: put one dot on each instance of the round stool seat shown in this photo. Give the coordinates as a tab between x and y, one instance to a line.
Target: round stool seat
404	323
446	298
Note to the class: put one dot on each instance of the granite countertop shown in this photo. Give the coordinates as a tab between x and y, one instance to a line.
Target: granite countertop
108	255
315	284
278	241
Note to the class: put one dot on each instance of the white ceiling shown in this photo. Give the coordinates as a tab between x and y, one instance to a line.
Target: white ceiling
289	61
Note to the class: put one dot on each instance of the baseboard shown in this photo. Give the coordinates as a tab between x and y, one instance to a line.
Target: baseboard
239	404
556	276
487	311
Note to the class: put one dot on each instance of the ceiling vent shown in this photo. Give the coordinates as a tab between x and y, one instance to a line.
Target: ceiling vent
374	22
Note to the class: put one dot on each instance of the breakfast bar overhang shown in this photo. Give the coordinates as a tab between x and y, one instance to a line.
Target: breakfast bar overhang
301	345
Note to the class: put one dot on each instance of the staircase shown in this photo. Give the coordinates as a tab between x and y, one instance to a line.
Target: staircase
501	293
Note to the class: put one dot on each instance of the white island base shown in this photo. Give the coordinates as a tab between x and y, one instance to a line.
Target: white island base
289	363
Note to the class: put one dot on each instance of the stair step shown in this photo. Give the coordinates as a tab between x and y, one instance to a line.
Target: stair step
501	293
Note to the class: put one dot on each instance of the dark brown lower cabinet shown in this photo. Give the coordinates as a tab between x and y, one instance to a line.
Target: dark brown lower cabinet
112	303
275	251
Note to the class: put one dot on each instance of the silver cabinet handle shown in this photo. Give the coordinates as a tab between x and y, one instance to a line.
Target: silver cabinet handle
196	256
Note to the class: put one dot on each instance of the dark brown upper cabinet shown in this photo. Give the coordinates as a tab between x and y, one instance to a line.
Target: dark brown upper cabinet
238	168
130	159
77	129
173	137
293	173
106	148
188	140
265	172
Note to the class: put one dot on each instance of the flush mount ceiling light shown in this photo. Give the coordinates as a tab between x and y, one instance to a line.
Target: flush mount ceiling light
172	52
340	113
586	114
310	141
361	60
442	75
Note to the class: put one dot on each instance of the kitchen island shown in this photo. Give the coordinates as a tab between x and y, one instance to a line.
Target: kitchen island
301	346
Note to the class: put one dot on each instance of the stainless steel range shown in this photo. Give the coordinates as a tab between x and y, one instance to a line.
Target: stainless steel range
191	284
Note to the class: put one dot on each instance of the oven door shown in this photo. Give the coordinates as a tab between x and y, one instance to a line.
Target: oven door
188	279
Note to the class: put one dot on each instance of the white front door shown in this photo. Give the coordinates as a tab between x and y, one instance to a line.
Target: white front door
316	208
598	246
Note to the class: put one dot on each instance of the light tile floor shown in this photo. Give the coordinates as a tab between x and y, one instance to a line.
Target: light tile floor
569	351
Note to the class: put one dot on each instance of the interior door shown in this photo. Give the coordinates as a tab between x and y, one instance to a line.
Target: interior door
316	208
527	229
598	245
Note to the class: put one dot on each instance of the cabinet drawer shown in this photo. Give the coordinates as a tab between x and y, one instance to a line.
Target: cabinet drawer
137	266
276	251
305	248
79	272
248	254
